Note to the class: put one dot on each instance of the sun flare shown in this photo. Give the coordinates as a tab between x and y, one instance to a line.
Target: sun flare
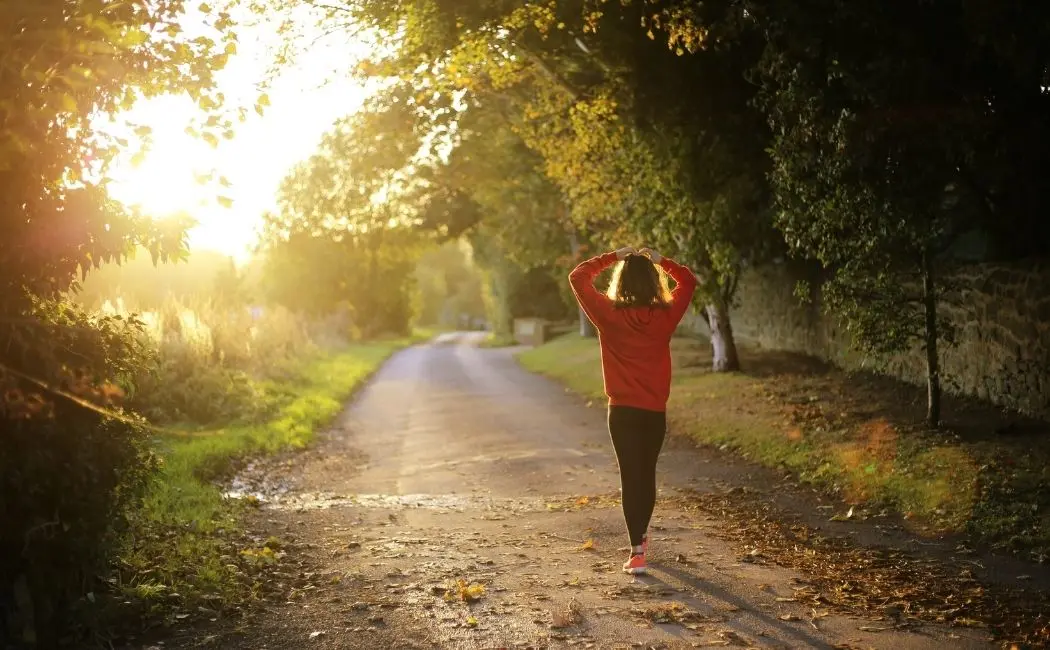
180	173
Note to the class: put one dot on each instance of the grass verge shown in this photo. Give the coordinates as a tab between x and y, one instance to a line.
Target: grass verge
185	555
859	436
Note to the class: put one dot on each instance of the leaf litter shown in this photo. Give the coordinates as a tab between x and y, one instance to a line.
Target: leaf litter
896	588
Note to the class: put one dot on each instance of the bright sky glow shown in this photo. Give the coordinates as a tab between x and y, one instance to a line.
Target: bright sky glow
305	101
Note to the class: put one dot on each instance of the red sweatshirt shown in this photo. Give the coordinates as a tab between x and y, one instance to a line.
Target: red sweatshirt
635	341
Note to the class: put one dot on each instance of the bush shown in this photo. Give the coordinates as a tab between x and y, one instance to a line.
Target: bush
68	482
73	477
69	473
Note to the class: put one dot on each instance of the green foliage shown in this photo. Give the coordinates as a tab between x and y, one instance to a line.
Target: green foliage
345	230
879	166
449	286
537	293
889	144
861	190
208	357
613	136
69	481
66	66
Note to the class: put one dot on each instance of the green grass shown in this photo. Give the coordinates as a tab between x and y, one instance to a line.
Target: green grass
865	457
185	539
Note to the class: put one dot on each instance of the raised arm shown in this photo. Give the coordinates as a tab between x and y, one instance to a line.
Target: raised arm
684	279
595	305
685	285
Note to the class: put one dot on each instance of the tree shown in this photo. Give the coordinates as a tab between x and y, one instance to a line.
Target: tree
614	118
889	147
64	64
474	177
72	472
450	285
521	223
670	145
346	228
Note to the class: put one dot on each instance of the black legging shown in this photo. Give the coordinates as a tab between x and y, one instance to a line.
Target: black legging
637	436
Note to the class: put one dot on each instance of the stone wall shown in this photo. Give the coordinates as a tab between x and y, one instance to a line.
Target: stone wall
1002	316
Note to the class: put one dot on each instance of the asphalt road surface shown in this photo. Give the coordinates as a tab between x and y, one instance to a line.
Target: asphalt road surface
456	464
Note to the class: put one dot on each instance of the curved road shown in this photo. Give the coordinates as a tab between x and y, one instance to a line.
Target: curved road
454	463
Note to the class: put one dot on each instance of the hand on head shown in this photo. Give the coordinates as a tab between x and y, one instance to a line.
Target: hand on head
651	254
623	253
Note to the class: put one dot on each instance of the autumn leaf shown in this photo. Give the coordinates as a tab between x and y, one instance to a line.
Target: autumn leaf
467	592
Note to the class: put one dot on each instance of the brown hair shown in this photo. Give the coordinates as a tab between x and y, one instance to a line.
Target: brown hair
637	282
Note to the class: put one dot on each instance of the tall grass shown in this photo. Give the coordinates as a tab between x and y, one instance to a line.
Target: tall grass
226	383
212	361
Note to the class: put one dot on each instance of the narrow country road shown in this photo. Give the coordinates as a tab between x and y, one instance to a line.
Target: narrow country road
456	464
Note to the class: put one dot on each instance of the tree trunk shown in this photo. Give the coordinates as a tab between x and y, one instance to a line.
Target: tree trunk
723	346
933	372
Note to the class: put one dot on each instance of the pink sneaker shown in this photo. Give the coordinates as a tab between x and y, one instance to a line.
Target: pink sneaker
636	565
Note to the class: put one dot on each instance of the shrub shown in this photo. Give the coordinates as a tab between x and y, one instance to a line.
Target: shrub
69	483
69	473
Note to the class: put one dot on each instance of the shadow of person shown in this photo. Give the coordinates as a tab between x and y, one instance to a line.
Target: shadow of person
767	626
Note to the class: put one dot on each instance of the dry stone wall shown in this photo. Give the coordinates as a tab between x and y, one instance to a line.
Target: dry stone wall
1001	315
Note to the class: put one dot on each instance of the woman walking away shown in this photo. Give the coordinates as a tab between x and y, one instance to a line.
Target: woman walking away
635	322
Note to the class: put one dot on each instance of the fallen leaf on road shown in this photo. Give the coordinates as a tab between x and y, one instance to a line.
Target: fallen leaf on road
472	622
588	545
464	591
